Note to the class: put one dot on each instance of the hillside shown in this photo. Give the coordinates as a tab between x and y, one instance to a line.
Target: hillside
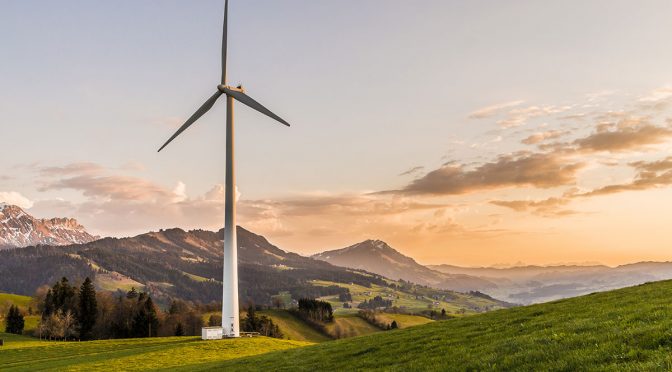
626	329
378	257
20	229
188	264
175	263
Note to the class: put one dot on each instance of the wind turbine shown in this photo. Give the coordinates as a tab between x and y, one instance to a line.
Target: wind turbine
230	311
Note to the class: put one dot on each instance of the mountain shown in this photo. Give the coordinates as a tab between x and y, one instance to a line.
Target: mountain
533	284
19	229
182	264
378	257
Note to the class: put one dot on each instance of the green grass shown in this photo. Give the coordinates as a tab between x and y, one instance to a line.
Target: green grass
407	301
351	325
166	353
18	300
626	330
403	320
293	328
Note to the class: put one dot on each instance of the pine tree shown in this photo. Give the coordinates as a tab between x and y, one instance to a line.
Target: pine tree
179	331
15	321
394	325
88	309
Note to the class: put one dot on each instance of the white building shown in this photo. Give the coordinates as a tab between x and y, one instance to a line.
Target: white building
211	333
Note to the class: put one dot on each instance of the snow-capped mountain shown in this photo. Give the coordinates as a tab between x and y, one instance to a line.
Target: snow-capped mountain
19	229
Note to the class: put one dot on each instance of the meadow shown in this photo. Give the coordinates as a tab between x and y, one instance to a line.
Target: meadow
22	353
628	329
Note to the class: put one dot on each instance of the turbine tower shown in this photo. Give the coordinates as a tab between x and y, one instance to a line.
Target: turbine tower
230	310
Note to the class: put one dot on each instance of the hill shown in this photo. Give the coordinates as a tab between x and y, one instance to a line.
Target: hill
168	353
20	229
175	263
533	284
188	264
378	257
626	329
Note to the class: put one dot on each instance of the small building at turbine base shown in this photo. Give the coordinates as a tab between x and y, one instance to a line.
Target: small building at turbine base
212	333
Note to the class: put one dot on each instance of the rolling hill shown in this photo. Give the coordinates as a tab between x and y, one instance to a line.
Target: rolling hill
182	264
378	257
625	329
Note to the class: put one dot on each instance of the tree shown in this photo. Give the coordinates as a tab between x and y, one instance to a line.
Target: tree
443	313
15	322
179	331
146	321
394	325
132	293
88	309
215	321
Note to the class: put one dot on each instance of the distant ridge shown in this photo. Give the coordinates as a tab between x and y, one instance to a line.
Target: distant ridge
378	257
20	229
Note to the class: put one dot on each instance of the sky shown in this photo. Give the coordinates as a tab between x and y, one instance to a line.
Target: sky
468	133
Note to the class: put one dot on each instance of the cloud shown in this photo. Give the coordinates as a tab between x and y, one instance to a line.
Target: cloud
73	168
412	171
15	198
520	116
118	188
629	134
489	111
543	136
543	170
649	175
550	207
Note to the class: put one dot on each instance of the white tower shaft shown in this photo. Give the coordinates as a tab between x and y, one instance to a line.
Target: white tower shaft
230	311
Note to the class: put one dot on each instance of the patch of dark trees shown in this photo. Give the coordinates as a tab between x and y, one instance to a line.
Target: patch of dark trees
375	303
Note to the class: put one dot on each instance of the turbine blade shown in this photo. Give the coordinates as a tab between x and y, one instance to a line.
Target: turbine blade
224	41
247	100
201	110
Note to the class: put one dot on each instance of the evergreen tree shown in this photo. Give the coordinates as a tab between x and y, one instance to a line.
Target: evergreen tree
15	322
394	325
48	308
179	331
88	309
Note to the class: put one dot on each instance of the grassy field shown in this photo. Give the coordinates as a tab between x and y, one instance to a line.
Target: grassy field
22	301
409	302
293	328
403	320
166	353
628	329
351	325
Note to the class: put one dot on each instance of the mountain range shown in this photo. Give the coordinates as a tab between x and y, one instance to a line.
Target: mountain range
174	263
188	264
19	229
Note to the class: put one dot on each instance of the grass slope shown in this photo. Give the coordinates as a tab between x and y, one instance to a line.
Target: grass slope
167	353
626	329
345	326
18	300
293	328
411	303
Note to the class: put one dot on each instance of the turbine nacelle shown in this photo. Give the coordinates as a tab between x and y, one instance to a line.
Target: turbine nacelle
226	89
